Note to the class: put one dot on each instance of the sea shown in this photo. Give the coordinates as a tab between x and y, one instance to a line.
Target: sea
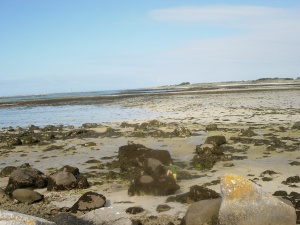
69	115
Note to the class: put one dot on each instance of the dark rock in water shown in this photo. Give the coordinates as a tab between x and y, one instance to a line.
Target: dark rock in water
216	140
61	180
195	194
27	196
6	171
163	208
26	178
203	212
133	157
244	202
134	210
296	126
88	202
280	193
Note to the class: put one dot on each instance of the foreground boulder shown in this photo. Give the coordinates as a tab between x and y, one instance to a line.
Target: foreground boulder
202	213
244	202
8	217
27	196
26	178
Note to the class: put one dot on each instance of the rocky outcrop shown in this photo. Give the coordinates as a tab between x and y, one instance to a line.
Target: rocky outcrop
26	178
244	202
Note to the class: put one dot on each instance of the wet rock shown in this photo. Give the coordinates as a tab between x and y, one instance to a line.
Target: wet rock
27	196
61	180
47	136
280	193
203	212
182	132
293	179
6	171
88	202
244	202
216	140
195	194
29	140
134	210
22	219
163	208
26	178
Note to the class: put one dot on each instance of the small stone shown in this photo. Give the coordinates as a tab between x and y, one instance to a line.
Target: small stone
163	208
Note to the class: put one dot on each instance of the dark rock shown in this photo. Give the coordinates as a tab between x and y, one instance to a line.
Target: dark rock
89	125
163	208
26	178
6	171
293	179
134	210
154	167
27	196
295	163
296	126
247	133
195	194
28	140
212	127
280	193
88	202
61	180
182	132
82	182
70	169
13	142
216	140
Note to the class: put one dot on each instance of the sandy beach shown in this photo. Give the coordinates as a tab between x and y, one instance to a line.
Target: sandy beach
270	111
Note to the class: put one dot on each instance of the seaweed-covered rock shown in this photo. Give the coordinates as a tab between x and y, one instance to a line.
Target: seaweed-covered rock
182	132
13	142
88	202
26	178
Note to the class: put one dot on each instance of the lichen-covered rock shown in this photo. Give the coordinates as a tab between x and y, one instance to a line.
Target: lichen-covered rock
244	202
26	178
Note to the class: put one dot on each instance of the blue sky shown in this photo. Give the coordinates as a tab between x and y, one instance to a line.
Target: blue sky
55	46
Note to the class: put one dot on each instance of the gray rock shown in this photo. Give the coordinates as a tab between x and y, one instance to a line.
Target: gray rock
61	180
27	196
14	218
107	216
244	202
203	212
88	202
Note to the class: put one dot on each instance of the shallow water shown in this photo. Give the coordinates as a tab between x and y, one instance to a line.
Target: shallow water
74	115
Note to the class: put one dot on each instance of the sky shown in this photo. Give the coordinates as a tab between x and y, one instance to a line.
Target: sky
54	46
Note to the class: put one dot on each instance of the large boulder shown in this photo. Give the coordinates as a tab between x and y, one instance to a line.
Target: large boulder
26	178
203	213
133	157
27	196
61	180
14	218
244	202
88	202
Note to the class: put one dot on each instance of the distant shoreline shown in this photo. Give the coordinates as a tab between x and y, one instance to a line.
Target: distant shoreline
192	89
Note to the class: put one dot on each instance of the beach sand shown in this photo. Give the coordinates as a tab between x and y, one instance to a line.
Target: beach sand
270	113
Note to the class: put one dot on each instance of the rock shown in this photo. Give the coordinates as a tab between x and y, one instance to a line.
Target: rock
244	202
296	126
154	167
182	132
280	193
203	212
61	180
133	157
29	140
216	140
134	210
295	163
26	178
107	216
70	219
6	171
82	182
196	193
70	169
13	142
163	208
89	125
293	179
156	186
211	127
4	197
247	133
14	218
88	202
27	196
